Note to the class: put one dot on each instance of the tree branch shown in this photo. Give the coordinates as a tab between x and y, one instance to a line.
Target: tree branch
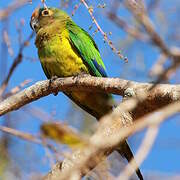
161	95
110	133
12	7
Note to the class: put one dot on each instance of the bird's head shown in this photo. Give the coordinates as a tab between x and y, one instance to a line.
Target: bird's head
42	17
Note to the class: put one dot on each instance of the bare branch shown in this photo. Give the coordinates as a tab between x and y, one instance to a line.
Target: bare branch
134	32
12	7
16	62
109	134
138	10
90	10
163	94
22	135
142	153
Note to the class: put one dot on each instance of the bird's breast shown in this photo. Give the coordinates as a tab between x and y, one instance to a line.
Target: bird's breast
59	57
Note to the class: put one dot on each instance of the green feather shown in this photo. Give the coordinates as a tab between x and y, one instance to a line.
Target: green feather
86	48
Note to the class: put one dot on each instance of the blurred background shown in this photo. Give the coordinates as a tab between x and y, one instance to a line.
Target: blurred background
20	159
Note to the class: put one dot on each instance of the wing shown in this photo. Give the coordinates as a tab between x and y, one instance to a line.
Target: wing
87	49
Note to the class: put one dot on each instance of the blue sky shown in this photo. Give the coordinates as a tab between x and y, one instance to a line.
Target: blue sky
164	157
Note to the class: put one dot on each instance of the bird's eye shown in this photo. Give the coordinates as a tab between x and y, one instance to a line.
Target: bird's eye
45	12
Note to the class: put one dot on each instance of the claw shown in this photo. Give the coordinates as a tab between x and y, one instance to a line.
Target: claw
53	78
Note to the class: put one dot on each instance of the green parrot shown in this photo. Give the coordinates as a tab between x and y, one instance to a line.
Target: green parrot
65	50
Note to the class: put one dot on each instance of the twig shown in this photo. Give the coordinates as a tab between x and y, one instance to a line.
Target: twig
142	153
22	135
8	43
12	7
127	28
17	88
102	32
157	68
138	10
27	137
16	62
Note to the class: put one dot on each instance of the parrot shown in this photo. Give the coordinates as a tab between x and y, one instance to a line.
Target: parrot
65	49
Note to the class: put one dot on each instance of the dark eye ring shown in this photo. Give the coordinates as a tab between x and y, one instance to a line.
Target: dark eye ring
45	12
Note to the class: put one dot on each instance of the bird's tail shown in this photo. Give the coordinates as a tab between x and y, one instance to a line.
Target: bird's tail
125	151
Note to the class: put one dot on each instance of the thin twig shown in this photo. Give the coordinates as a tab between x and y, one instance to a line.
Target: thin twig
12	7
142	153
16	62
102	32
22	135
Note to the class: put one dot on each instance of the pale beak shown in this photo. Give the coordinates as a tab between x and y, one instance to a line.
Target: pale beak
34	23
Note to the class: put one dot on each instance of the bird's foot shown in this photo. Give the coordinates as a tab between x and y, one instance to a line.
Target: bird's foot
53	78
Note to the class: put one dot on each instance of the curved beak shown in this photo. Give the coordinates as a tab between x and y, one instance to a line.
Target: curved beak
34	23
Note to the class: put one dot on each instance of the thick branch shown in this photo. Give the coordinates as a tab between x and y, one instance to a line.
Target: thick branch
109	134
161	95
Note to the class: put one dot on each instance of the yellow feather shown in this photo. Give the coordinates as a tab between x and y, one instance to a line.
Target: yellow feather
64	61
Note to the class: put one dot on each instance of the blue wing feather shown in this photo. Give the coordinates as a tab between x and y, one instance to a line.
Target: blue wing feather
100	68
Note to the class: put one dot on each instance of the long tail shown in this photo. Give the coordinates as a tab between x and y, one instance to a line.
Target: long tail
98	104
125	151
